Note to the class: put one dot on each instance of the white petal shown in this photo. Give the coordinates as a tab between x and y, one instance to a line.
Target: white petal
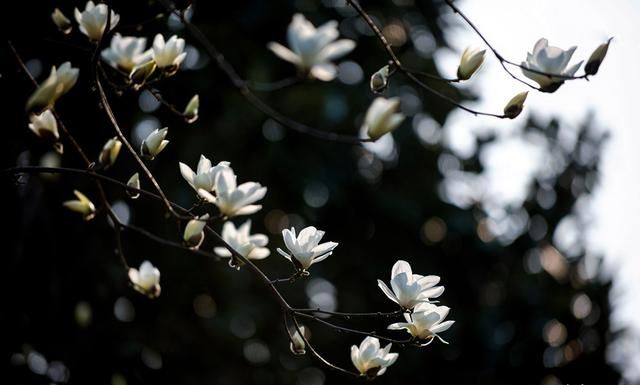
324	71
336	50
284	53
187	173
442	326
385	289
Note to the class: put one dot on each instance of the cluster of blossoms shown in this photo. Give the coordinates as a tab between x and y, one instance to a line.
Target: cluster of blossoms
312	51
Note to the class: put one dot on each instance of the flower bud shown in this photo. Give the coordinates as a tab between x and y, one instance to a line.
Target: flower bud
59	82
134	182
191	110
154	143
470	62
380	80
110	152
82	205
141	73
296	342
61	21
194	231
596	58
382	117
515	105
146	280
45	126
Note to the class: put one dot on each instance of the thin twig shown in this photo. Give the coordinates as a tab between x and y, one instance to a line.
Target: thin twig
396	61
243	87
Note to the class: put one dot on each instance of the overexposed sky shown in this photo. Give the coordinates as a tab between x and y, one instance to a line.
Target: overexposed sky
513	27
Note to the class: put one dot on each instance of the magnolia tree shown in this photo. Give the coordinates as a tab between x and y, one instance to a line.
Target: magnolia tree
224	203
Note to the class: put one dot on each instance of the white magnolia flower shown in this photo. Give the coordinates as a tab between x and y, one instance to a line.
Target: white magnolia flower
61	21
59	82
312	49
426	321
170	54
82	205
240	239
234	200
383	117
370	359
550	60
154	143
205	175
146	280
194	231
408	289
93	20
126	52
44	125
110	152
470	61
305	248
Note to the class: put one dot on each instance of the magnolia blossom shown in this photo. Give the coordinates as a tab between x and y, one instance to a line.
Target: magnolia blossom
408	289
370	359
61	21
426	321
312	49
170	54
93	20
304	249
82	205
126	52
110	152
240	239
154	143
59	82
470	61
549	60
382	117
234	200
44	125
205	175
146	280
194	231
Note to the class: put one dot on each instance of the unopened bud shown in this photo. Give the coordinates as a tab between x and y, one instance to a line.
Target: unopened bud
110	152
470	62
194	231
380	80
134	182
596	58
82	205
515	105
154	143
61	21
141	73
191	110
296	342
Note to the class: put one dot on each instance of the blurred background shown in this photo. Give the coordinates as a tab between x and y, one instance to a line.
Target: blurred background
528	222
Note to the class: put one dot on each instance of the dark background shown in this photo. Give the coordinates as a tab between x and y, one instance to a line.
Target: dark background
212	324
